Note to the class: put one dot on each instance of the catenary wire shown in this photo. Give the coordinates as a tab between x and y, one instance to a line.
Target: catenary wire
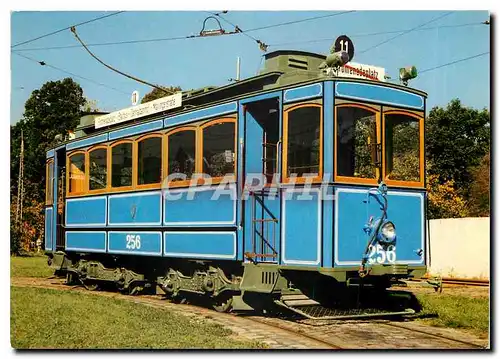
406	32
378	33
43	63
66	28
180	37
453	62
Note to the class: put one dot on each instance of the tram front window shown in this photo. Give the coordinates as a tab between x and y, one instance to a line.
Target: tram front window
356	142
402	147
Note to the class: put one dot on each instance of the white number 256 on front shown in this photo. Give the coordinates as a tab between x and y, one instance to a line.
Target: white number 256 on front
380	255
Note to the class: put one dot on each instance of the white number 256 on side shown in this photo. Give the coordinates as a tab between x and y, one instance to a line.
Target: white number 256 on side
380	255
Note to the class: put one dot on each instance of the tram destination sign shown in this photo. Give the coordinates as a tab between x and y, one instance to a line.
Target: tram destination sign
146	109
362	71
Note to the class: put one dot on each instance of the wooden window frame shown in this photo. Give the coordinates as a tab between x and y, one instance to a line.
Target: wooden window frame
399	183
217	180
134	167
285	178
135	156
183	183
87	170
49	183
349	179
68	172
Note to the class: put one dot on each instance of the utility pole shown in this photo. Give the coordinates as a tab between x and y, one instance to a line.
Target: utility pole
20	187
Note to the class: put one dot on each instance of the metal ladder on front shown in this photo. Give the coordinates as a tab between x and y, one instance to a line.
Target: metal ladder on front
263	232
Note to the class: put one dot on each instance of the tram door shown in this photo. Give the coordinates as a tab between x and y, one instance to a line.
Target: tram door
59	198
262	151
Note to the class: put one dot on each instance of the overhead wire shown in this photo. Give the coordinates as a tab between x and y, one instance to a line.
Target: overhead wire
66	28
43	63
73	30
453	62
406	32
185	37
379	33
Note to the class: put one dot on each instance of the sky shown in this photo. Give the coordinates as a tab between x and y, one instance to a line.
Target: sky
200	62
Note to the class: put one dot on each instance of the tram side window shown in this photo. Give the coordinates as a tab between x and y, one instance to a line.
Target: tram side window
303	141
402	147
149	161
181	154
356	142
218	149
121	165
98	169
49	188
77	173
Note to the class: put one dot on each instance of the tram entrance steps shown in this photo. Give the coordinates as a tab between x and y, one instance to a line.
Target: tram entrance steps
311	309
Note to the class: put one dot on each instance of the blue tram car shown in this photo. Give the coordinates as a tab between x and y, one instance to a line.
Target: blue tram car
292	182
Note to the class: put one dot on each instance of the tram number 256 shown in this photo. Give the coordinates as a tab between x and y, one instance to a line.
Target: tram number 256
380	255
133	241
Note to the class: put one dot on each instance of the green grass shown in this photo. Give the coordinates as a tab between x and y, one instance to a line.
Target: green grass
35	266
45	318
456	311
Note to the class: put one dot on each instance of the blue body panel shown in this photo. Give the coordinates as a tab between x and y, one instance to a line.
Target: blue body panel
50	153
135	209
210	245
301	227
139	243
201	114
136	130
303	93
195	208
86	241
405	210
86	212
87	142
378	94
48	228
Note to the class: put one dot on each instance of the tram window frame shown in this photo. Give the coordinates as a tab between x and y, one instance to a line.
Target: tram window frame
201	129
420	118
284	168
68	173
89	151
134	167
353	179
135	162
49	183
174	131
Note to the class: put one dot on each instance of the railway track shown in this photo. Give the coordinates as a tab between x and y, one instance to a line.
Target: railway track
456	281
286	333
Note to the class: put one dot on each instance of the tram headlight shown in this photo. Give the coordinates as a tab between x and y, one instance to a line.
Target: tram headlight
388	231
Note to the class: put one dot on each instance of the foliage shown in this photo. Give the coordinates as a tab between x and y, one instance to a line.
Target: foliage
457	311
35	266
457	138
53	109
156	93
31	229
44	318
480	189
444	199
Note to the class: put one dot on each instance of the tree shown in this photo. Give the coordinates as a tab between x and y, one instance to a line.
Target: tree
457	138
156	93
444	199
480	189
53	109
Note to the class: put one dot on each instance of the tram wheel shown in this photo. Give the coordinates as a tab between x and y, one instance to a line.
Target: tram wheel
91	285
223	303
